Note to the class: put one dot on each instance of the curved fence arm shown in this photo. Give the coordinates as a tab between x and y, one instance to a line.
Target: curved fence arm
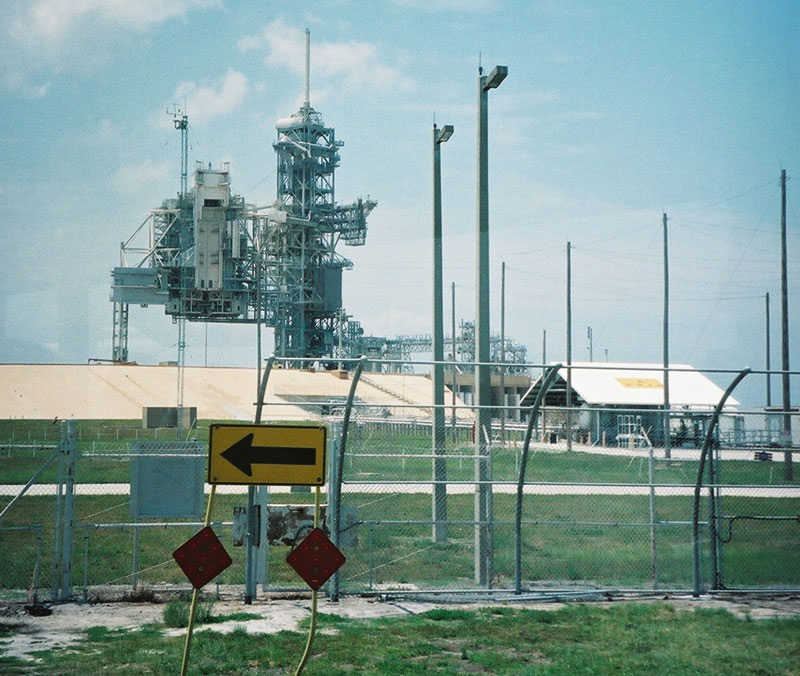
547	382
699	483
335	495
262	388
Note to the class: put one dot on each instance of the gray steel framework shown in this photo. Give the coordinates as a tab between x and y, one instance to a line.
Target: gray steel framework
278	265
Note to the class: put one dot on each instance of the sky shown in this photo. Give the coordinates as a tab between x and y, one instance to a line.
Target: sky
612	114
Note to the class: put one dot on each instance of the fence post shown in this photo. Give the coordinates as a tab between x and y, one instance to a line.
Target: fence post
699	482
135	572
57	520
547	381
68	449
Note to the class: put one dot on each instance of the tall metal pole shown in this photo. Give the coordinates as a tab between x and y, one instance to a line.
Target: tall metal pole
437	438
768	365
544	349
786	436
181	122
484	555
453	338
667	439
544	370
569	347
503	399
591	346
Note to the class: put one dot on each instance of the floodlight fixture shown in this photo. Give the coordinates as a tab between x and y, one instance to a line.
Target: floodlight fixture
494	78
444	134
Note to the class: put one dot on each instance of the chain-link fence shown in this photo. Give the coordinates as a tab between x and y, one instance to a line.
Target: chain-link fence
594	495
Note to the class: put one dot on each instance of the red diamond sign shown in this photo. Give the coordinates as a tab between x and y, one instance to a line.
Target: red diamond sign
202	557
315	559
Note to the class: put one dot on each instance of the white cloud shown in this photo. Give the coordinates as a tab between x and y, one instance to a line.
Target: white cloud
131	178
105	133
352	65
16	81
204	102
55	20
51	36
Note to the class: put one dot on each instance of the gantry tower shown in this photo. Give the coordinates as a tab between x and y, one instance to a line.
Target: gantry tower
303	230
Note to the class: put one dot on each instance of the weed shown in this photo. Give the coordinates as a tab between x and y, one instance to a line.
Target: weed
176	613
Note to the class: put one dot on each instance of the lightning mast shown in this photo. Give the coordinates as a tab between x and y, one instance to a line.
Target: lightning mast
181	121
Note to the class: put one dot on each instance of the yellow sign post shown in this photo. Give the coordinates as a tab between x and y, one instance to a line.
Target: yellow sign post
283	455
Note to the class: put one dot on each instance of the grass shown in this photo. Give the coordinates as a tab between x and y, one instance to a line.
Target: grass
101	438
624	640
596	540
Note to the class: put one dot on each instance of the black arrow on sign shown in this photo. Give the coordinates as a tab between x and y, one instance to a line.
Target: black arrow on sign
243	455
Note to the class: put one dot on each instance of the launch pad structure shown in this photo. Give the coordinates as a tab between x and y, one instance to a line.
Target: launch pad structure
208	255
211	256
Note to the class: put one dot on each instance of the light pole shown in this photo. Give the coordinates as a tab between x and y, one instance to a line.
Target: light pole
484	555
439	468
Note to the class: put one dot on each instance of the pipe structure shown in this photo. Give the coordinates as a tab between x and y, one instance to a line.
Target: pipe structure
699	483
547	382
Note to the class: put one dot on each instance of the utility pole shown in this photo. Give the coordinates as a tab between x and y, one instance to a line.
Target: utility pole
589	336
437	438
569	346
667	439
786	440
769	386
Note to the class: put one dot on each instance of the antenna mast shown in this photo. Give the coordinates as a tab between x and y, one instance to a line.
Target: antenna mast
307	82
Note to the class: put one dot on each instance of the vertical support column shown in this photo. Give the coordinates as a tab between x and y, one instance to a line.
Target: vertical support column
58	520
249	549
256	543
484	563
68	450
120	337
453	382
666	425
262	548
786	433
334	505
503	397
135	565
439	507
569	347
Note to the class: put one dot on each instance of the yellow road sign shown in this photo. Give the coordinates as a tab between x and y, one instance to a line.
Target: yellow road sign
283	455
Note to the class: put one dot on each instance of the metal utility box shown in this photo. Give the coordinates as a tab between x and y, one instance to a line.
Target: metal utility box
154	417
167	479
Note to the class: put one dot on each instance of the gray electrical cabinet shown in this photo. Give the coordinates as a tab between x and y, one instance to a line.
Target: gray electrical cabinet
167	479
